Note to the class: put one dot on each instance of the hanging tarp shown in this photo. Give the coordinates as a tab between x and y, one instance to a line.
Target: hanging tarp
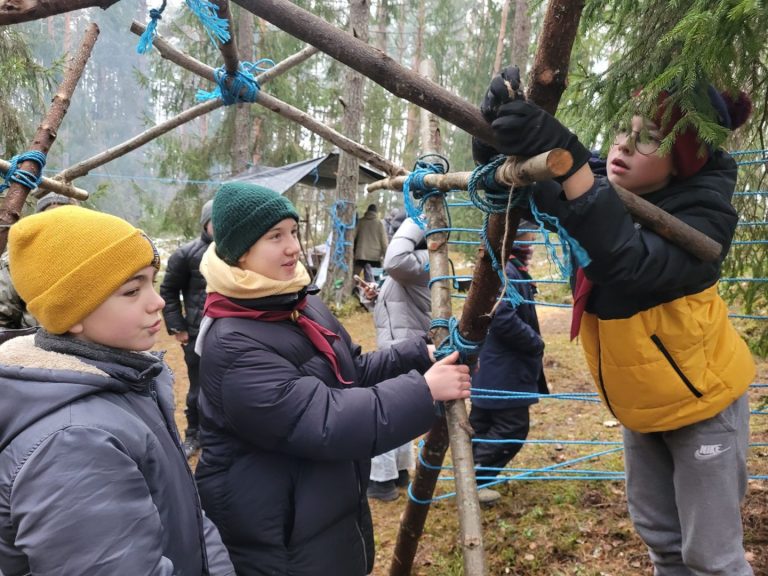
318	172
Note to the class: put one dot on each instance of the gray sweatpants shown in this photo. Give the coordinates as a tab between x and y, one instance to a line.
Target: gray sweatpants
684	490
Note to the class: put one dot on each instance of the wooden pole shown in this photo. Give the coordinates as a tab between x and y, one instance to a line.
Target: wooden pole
514	172
46	132
48	185
278	106
520	172
16	11
82	168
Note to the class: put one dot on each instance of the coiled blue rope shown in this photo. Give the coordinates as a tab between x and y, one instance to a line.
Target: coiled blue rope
243	86
454	341
414	188
24	177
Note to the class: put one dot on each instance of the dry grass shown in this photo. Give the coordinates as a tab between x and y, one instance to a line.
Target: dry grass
545	528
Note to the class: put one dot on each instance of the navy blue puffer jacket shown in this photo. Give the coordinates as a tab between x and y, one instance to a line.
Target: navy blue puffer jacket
284	466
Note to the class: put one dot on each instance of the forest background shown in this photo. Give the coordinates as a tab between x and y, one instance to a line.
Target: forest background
620	46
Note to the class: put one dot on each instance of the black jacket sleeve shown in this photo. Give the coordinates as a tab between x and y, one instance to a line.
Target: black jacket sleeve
174	283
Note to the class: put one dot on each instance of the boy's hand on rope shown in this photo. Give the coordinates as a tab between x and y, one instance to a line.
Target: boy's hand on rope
504	88
448	380
524	129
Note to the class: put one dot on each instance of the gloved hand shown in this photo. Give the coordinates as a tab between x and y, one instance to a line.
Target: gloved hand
504	88
524	129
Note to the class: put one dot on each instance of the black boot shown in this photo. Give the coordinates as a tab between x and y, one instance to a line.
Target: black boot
386	491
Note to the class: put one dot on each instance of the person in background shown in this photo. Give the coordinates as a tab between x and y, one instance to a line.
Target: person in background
93	480
13	310
290	410
666	360
402	311
370	241
511	360
183	290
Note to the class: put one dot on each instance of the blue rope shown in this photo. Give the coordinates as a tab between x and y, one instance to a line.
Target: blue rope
242	87
569	245
208	13
414	188
146	39
340	228
511	293
454	341
496	197
24	177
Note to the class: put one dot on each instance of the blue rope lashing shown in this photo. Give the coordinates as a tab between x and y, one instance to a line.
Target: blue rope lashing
340	228
208	13
511	294
454	341
243	86
570	246
414	188
24	177
496	196
146	39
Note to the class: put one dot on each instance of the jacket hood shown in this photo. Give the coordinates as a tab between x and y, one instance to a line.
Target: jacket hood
371	215
36	382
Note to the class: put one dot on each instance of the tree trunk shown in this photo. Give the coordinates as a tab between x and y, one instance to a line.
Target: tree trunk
549	76
15	11
502	36
241	137
521	37
46	132
340	273
412	124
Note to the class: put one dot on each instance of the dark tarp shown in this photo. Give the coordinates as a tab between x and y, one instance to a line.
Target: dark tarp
319	172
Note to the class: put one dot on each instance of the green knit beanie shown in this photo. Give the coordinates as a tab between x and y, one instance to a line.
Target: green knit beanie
243	213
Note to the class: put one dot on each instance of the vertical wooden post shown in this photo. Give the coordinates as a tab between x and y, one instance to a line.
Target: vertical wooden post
46	132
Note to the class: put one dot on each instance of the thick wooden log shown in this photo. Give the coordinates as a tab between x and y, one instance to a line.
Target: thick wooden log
15	11
278	106
549	74
46	132
514	172
48	185
520	172
82	168
372	62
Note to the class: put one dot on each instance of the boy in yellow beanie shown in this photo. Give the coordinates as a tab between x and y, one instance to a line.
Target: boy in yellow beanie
93	480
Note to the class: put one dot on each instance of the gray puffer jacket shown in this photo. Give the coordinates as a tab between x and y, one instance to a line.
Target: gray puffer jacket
403	308
93	480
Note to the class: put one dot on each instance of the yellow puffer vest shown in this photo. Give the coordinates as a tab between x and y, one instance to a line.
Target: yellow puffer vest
675	364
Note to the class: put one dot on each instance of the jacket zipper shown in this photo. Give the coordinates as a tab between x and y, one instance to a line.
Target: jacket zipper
668	356
600	378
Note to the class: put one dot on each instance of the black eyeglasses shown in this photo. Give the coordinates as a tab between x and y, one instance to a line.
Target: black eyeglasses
642	141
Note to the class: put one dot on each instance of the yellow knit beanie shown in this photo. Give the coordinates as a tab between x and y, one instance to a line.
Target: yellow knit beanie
66	262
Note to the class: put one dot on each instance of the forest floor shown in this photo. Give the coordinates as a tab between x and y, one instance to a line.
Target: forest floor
544	528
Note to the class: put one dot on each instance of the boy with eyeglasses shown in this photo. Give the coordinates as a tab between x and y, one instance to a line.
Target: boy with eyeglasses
656	335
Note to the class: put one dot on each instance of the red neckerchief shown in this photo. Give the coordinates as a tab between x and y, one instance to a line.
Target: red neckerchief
218	306
581	290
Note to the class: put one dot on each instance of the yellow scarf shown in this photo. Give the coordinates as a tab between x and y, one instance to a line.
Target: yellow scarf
234	282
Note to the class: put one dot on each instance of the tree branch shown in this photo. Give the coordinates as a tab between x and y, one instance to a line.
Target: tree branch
16	11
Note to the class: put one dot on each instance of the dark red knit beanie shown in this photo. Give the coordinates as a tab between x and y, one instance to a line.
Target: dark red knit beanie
689	153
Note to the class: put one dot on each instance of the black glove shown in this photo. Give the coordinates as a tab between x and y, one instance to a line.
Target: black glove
524	129
504	88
